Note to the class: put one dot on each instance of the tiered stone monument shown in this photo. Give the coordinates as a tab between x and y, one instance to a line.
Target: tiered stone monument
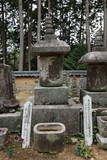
8	101
96	77
9	117
99	41
51	97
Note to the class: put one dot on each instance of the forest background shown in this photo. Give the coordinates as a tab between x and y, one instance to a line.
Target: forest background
69	22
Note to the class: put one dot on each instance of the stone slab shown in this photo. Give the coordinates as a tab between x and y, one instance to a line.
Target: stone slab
66	114
50	95
12	121
102	141
99	99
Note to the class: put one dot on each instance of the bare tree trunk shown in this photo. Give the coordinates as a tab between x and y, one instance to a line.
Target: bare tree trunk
38	29
21	37
3	37
87	27
105	25
29	34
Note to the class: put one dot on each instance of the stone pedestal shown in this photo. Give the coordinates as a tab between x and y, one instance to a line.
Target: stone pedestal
51	95
99	99
66	114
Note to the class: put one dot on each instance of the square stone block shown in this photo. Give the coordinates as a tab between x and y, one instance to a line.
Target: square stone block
99	99
50	95
12	121
66	114
102	141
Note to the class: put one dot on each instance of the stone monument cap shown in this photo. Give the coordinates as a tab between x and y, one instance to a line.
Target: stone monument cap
94	57
50	45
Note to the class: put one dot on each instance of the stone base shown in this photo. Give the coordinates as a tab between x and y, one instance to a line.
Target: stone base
102	141
12	121
66	114
49	137
50	95
99	99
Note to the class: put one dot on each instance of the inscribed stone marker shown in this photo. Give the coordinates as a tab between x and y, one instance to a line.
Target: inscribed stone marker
88	129
26	124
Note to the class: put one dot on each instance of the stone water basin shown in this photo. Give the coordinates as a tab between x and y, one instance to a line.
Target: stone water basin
49	137
102	125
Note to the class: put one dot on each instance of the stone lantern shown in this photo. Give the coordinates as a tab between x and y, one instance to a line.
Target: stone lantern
51	52
96	76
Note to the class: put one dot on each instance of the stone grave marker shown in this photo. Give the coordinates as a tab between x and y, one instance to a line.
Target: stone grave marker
87	113
26	124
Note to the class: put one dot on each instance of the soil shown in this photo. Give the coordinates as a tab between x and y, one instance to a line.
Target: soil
30	153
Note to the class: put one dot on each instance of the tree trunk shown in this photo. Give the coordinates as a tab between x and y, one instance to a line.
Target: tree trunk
105	25
38	29
29	34
3	34
21	37
87	27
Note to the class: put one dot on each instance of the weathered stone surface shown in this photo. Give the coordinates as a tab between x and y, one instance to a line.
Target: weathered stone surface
3	136
99	99
12	121
97	77
99	41
102	141
7	97
94	57
51	71
51	95
50	46
66	114
102	125
49	137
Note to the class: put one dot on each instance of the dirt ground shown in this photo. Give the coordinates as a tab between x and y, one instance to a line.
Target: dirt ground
31	154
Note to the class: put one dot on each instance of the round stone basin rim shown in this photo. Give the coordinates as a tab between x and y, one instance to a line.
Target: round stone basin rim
102	118
94	57
49	128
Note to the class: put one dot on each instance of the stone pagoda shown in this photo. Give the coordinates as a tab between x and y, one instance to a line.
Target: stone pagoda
8	101
51	52
51	97
96	77
99	41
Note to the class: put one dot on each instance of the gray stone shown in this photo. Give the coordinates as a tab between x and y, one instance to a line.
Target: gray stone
66	114
51	71
7	97
50	46
102	141
102	125
49	137
97	77
3	137
94	57
12	121
99	99
51	95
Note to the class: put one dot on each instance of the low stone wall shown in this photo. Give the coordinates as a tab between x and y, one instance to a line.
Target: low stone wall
75	80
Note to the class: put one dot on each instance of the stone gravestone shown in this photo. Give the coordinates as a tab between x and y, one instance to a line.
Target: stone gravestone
88	129
26	124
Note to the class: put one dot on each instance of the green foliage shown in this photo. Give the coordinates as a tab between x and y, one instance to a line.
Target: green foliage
9	151
83	151
68	140
71	61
